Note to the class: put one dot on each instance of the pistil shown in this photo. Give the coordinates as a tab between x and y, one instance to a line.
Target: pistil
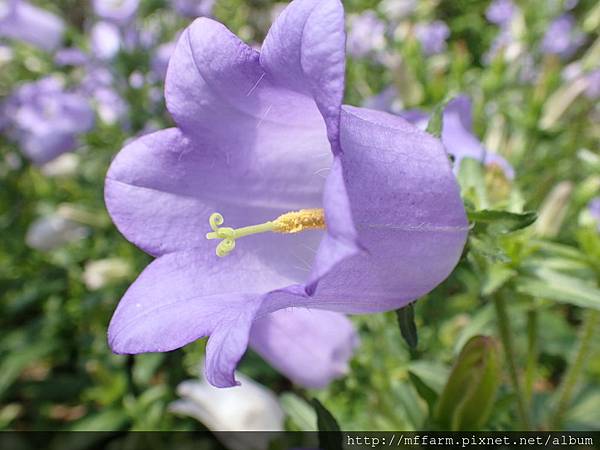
291	222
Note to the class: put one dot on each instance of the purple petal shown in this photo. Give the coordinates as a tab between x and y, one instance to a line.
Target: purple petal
310	347
183	296
162	188
408	212
119	11
305	51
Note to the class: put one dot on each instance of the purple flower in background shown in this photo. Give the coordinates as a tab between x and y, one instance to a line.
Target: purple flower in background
366	34
562	38
380	220
594	210
500	12
193	8
310	347
118	11
22	21
433	36
70	57
46	119
160	60
592	91
458	137
105	39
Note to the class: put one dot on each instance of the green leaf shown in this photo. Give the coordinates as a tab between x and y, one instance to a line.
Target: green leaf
299	411
468	397
502	222
553	285
428	377
436	121
330	435
408	328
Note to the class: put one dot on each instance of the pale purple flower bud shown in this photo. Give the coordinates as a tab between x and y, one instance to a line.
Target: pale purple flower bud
433	36
562	38
592	91
105	40
500	12
594	210
193	8
118	11
366	34
22	21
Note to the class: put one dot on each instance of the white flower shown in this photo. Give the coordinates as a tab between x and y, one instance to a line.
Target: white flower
249	407
63	166
98	274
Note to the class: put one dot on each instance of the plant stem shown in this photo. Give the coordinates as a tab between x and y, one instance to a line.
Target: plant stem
507	344
532	354
575	369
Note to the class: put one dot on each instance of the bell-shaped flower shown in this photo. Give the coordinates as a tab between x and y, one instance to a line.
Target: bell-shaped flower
335	207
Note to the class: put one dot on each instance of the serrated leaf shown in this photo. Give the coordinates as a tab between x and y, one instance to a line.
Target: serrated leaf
330	435
408	328
502	222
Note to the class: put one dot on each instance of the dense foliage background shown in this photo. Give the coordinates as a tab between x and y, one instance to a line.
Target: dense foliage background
531	289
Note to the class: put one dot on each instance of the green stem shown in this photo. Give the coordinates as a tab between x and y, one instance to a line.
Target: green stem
505	337
532	354
578	363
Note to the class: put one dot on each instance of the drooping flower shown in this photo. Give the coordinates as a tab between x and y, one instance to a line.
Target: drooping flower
47	120
249	407
366	34
310	347
379	220
562	38
117	11
432	36
500	12
458	136
25	22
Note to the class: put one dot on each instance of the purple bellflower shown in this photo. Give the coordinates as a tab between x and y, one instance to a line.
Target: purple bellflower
47	119
105	39
377	216
432	36
22	21
562	38
458	136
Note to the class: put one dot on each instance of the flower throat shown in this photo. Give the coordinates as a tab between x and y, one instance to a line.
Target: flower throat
291	222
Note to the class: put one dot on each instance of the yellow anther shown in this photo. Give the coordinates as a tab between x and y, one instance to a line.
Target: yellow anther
296	221
291	222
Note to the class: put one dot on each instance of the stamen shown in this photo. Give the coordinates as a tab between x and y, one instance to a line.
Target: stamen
291	222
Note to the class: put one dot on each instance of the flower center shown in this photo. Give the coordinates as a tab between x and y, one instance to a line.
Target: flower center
291	222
